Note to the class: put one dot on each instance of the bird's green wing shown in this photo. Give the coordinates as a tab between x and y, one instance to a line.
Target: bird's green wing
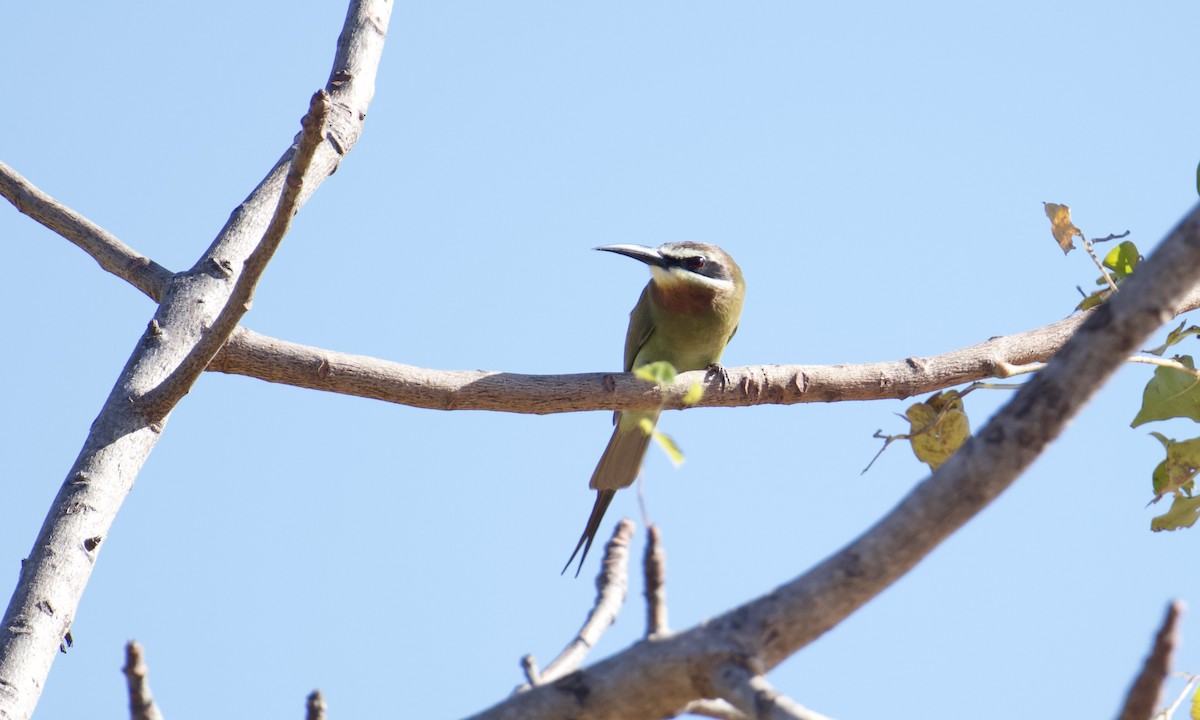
641	327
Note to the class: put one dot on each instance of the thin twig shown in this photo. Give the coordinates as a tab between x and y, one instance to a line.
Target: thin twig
887	440
654	566
529	667
141	702
1087	245
1007	370
612	585
754	695
719	709
314	706
983	385
1183	695
1164	362
1146	691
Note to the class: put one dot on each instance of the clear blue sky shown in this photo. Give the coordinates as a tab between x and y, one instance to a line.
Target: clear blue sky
876	169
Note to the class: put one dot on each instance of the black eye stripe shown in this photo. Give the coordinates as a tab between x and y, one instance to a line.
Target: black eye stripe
704	266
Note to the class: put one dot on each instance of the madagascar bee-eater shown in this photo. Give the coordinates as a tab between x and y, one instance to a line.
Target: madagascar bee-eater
686	314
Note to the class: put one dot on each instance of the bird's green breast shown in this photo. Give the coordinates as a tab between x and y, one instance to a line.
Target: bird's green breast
691	324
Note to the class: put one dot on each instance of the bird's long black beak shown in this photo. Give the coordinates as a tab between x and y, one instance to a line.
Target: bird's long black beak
648	255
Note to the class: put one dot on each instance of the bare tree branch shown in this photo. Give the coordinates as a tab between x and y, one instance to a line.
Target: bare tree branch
112	254
655	677
654	566
719	709
314	708
612	585
279	361
752	694
55	574
141	702
529	666
251	354
1144	696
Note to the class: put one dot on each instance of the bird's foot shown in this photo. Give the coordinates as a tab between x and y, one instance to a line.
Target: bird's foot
722	374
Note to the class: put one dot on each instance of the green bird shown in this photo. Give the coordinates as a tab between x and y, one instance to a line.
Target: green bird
686	315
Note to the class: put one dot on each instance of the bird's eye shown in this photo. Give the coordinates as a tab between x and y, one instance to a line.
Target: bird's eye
694	263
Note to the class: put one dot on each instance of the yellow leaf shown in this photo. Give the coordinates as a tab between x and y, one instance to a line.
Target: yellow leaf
1061	226
646	425
939	427
1095	299
1182	514
694	393
668	445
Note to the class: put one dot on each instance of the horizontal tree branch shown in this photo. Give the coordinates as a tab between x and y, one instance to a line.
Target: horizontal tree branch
279	361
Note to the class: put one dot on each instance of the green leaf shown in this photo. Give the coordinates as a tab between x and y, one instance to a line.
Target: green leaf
1095	299
1160	479
1183	514
1171	393
660	373
1174	337
669	447
663	373
1122	259
1178	472
939	426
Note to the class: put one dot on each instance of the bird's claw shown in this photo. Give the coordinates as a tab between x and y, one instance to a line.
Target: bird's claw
719	370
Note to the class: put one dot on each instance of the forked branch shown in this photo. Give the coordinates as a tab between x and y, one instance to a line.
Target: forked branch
56	572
